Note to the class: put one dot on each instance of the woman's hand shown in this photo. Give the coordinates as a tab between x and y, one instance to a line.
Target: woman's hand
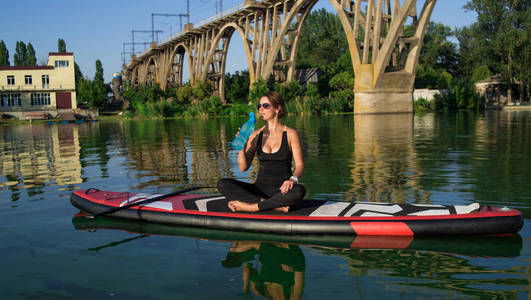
286	186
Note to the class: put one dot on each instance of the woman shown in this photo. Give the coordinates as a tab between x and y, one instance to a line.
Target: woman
275	145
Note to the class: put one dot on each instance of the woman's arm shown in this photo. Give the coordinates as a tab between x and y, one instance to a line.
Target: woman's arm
296	149
246	155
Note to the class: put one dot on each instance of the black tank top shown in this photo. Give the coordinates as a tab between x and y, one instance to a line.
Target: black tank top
275	167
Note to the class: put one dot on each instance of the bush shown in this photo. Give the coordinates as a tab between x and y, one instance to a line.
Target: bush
289	91
237	87
461	95
480	73
258	88
429	78
423	104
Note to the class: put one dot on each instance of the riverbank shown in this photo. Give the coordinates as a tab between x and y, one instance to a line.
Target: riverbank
520	106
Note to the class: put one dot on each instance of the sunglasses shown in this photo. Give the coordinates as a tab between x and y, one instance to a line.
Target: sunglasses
264	105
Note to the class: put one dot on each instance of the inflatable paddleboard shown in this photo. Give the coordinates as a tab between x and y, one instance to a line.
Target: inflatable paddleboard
308	216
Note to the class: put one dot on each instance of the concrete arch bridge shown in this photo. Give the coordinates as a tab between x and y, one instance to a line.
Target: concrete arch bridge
383	57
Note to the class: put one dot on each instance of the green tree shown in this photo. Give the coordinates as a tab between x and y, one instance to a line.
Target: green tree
61	45
438	51
30	59
4	54
480	73
438	59
98	76
472	51
322	42
237	87
20	54
92	92
100	88
503	28
78	75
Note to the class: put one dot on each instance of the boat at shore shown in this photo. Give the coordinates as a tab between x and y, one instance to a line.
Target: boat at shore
317	217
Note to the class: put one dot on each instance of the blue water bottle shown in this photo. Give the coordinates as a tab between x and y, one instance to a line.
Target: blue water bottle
245	131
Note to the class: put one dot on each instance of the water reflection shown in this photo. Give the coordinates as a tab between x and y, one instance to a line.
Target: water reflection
271	270
36	155
278	267
170	152
383	163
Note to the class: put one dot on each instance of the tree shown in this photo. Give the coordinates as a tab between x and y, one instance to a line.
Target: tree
4	54
92	92
237	87
30	59
438	59
20	54
437	51
100	88
78	75
322	42
472	51
61	45
98	76
503	26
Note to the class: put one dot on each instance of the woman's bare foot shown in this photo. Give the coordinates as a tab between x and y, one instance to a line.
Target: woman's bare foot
242	206
282	208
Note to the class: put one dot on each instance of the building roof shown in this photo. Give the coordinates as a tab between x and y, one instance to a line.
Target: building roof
60	54
14	68
494	79
303	75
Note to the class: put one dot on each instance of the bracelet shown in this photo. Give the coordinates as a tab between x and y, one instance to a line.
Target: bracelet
294	178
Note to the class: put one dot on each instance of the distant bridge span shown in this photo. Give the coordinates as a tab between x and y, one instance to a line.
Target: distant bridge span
383	57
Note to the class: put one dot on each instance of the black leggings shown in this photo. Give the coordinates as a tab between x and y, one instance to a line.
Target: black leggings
234	189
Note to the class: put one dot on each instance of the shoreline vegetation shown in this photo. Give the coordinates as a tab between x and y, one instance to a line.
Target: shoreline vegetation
198	102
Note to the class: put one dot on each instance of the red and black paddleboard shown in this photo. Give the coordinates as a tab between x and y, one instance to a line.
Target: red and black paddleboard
307	217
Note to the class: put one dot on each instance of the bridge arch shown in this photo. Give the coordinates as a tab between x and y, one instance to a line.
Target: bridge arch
133	79
152	71
173	73
285	42
217	56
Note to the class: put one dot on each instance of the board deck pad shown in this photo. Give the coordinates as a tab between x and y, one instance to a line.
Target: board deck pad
313	208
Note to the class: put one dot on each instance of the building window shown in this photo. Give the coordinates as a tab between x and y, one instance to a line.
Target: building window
45	81
10	80
28	80
40	99
61	63
10	100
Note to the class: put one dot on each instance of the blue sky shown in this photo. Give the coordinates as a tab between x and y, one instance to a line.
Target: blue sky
97	29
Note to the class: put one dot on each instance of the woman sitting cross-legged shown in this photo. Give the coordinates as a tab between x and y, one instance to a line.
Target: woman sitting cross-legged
276	146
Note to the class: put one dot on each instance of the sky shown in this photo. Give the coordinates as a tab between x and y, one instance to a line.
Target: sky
97	29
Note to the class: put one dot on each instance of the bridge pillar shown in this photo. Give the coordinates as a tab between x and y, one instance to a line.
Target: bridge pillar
393	94
384	48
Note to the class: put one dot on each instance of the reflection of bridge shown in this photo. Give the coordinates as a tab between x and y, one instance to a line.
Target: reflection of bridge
383	55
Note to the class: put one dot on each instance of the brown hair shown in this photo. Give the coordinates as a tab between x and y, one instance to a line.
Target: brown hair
277	101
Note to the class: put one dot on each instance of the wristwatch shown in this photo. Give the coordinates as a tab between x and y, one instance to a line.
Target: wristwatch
294	178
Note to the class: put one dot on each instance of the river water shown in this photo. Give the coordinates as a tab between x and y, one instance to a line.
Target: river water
48	252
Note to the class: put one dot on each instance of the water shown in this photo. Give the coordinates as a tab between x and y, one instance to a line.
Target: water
456	158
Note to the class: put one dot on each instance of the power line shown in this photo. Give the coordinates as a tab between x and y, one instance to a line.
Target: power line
141	31
165	15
